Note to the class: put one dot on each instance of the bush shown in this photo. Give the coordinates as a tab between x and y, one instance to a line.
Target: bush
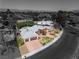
45	40
20	41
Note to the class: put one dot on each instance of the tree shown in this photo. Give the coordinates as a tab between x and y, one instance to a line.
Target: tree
61	18
6	23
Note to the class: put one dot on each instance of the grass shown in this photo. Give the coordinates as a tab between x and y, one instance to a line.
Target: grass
23	24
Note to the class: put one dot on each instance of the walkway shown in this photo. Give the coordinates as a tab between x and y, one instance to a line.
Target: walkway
32	45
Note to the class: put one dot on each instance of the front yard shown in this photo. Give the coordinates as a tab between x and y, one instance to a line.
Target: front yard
45	35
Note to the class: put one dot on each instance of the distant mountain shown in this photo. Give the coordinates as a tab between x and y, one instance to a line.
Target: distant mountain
25	10
76	11
2	9
13	10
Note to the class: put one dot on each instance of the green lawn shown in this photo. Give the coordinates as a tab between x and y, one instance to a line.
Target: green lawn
23	24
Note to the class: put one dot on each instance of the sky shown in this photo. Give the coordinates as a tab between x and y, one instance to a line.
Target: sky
41	4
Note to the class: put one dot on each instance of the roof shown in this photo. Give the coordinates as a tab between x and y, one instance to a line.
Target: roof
28	32
45	22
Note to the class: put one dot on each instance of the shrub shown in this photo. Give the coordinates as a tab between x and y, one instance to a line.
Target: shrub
45	40
20	41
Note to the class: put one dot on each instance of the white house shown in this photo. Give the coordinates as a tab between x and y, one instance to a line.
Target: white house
30	32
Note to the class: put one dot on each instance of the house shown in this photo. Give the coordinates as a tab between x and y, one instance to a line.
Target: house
30	33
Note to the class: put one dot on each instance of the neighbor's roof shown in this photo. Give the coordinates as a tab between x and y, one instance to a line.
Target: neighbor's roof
45	22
